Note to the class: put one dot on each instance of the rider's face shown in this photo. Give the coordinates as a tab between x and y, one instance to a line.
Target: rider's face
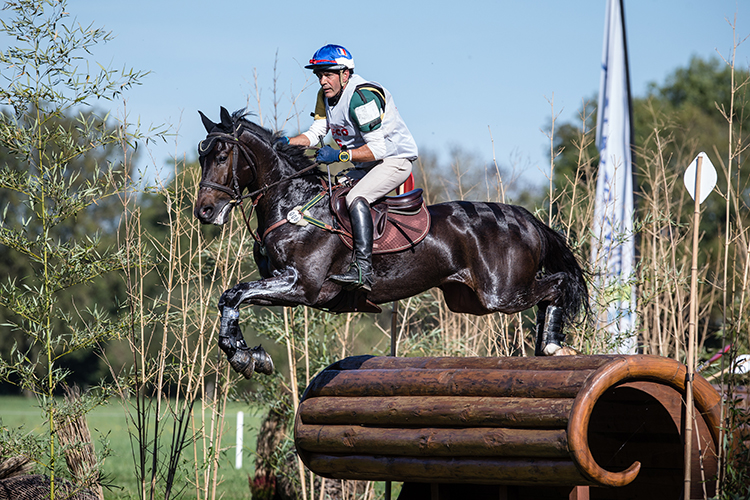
331	83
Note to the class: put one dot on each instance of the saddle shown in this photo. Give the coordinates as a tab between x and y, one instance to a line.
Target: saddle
399	222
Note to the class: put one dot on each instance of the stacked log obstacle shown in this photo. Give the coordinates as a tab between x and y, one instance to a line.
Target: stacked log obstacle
612	423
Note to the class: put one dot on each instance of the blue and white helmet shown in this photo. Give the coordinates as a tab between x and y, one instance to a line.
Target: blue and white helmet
331	58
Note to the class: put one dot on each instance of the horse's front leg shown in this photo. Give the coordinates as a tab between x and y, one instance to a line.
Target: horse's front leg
244	360
277	290
281	289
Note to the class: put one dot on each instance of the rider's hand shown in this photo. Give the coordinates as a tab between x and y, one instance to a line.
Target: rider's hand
327	154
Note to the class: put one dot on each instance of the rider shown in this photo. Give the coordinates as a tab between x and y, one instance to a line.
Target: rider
365	123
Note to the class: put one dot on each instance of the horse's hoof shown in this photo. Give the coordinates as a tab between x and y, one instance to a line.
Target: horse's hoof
243	362
263	361
551	349
567	351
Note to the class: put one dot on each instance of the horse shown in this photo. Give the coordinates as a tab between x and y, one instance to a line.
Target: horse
485	257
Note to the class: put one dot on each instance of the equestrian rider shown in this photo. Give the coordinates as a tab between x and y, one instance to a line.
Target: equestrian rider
366	125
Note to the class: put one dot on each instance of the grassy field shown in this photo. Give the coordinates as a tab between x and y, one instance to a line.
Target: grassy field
111	422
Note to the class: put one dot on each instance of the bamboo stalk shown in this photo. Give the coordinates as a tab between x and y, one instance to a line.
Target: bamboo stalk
691	333
295	391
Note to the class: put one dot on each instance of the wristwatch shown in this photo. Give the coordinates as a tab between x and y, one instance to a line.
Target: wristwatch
344	156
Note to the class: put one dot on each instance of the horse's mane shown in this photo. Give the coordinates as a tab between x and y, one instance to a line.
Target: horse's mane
294	155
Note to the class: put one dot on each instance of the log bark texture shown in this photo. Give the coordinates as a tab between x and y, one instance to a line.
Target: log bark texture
514	421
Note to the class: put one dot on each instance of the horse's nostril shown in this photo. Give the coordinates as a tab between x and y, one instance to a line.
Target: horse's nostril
206	212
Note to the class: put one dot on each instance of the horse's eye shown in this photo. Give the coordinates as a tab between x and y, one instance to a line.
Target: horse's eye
223	157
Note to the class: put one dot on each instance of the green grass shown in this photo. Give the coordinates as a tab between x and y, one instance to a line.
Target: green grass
110	422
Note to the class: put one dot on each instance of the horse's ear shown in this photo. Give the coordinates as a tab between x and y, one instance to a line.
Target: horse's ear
207	123
226	119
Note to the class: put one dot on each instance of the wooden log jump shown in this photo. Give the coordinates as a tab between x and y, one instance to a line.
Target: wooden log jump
599	421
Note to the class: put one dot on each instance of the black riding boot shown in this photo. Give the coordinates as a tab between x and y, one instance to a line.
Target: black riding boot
359	275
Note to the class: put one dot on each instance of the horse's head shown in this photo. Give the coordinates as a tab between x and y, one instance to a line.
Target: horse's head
229	163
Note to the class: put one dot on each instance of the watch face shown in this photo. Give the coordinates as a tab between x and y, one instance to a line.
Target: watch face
294	216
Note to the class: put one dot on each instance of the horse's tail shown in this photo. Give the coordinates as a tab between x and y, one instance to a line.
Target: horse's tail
558	257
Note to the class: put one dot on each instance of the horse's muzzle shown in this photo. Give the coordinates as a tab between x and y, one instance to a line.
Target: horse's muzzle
217	213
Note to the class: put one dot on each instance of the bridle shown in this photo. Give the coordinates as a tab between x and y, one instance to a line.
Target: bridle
205	146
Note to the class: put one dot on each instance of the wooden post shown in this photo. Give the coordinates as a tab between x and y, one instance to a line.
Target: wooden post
394	329
691	333
579	493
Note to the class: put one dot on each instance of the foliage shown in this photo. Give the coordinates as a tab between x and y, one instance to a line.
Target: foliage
687	114
699	108
55	169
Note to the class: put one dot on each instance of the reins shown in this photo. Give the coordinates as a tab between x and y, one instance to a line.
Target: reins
268	186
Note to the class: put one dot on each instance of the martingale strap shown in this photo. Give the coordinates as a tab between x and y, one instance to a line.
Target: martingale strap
300	216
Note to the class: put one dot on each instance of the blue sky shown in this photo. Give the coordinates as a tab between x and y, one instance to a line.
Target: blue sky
475	75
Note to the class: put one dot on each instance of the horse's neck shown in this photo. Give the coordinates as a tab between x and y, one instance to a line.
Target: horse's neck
279	195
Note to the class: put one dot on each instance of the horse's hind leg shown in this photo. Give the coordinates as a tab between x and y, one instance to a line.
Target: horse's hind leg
549	331
549	316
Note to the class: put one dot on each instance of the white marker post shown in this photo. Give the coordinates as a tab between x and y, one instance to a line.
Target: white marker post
238	449
699	179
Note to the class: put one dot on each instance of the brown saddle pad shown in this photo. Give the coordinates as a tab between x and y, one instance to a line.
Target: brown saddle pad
399	222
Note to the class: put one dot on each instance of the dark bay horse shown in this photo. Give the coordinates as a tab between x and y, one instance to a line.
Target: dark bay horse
485	257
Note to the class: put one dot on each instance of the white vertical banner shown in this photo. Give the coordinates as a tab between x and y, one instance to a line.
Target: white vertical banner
613	248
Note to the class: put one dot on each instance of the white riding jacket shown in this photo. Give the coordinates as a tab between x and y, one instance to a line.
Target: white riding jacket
391	139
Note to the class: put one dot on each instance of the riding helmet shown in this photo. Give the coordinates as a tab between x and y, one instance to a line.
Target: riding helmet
331	58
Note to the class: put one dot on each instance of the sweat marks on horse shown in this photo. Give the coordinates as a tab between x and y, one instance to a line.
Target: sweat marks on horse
485	257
